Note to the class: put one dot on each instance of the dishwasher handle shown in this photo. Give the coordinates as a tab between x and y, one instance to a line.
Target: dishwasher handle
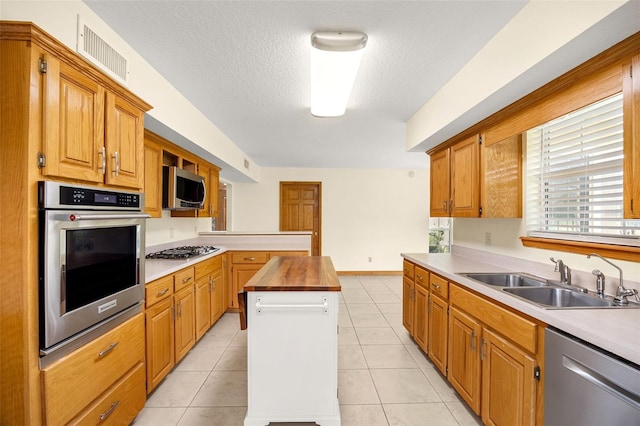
602	382
260	306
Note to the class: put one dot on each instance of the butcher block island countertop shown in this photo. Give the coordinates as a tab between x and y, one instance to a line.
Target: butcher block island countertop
290	309
308	273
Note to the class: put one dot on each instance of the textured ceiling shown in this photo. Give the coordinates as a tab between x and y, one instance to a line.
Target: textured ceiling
245	65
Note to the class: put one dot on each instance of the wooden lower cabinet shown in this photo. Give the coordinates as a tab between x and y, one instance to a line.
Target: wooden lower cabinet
243	265
408	304
203	306
216	297
160	341
464	357
185	323
508	383
438	336
92	377
421	316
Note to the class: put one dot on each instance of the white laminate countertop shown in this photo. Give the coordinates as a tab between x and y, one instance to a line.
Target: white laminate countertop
615	330
158	268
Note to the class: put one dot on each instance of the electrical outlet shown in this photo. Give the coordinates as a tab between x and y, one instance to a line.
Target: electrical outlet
370	259
487	238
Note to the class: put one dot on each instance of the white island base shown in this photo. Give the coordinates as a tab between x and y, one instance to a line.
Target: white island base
292	345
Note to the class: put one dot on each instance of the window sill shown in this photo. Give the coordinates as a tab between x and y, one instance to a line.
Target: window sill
606	250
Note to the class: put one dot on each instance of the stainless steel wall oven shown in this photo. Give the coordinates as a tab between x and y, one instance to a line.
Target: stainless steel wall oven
91	263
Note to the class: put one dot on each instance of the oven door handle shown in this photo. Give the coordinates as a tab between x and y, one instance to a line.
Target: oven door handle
77	217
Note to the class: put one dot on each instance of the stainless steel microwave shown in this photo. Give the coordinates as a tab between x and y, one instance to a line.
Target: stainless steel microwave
181	189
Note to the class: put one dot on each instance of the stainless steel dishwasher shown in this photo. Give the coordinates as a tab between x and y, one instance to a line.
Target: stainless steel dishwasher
585	385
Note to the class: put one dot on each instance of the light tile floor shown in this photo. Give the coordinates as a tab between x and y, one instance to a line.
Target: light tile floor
384	378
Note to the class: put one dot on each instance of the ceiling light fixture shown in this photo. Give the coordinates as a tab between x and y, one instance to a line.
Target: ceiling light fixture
335	58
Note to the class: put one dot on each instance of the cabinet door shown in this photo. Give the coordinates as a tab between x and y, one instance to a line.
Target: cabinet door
408	303
465	179
207	207
501	178
438	332
217	298
160	342
631	120
203	305
241	274
439	184
185	334
421	317
464	357
73	140
124	142
152	179
508	383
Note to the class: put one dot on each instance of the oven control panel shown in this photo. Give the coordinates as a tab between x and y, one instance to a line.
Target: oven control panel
61	195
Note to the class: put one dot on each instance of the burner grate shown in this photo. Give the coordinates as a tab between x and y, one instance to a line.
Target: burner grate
183	252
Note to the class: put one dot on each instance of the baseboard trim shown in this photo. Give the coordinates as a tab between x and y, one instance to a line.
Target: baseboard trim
369	272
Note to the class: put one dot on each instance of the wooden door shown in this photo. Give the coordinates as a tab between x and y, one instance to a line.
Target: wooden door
160	342
508	383
464	357
408	304
421	317
73	140
300	210
124	142
631	120
439	193
203	306
465	178
185	334
438	332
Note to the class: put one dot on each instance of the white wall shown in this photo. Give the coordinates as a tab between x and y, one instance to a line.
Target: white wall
505	239
365	212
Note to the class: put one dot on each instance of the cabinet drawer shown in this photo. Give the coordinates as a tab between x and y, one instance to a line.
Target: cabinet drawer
439	286
183	278
208	266
519	330
158	290
422	277
249	257
408	269
120	404
288	253
72	383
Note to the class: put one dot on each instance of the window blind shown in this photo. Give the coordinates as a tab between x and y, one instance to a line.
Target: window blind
574	177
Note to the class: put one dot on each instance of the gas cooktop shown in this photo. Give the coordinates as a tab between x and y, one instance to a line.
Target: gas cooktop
184	252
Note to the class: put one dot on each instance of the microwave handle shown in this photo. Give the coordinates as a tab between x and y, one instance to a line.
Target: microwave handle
204	192
76	217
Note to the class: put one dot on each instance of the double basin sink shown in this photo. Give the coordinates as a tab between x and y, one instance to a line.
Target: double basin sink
543	293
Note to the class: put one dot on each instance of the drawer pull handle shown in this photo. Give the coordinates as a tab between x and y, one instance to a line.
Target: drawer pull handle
109	349
186	280
419	277
251	259
107	413
436	286
163	292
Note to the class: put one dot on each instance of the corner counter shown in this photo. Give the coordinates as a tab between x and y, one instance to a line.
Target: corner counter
614	330
258	240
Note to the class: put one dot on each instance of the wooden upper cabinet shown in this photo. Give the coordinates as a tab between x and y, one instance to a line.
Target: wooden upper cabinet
440	184
465	184
152	178
501	177
631	100
455	184
93	131
74	123
124	143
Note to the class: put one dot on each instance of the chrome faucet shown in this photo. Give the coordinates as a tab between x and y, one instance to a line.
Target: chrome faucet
599	282
621	293
565	271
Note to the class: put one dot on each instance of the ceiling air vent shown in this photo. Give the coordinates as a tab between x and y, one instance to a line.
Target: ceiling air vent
95	49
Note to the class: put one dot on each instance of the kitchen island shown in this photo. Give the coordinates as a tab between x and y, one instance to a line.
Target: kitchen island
291	315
